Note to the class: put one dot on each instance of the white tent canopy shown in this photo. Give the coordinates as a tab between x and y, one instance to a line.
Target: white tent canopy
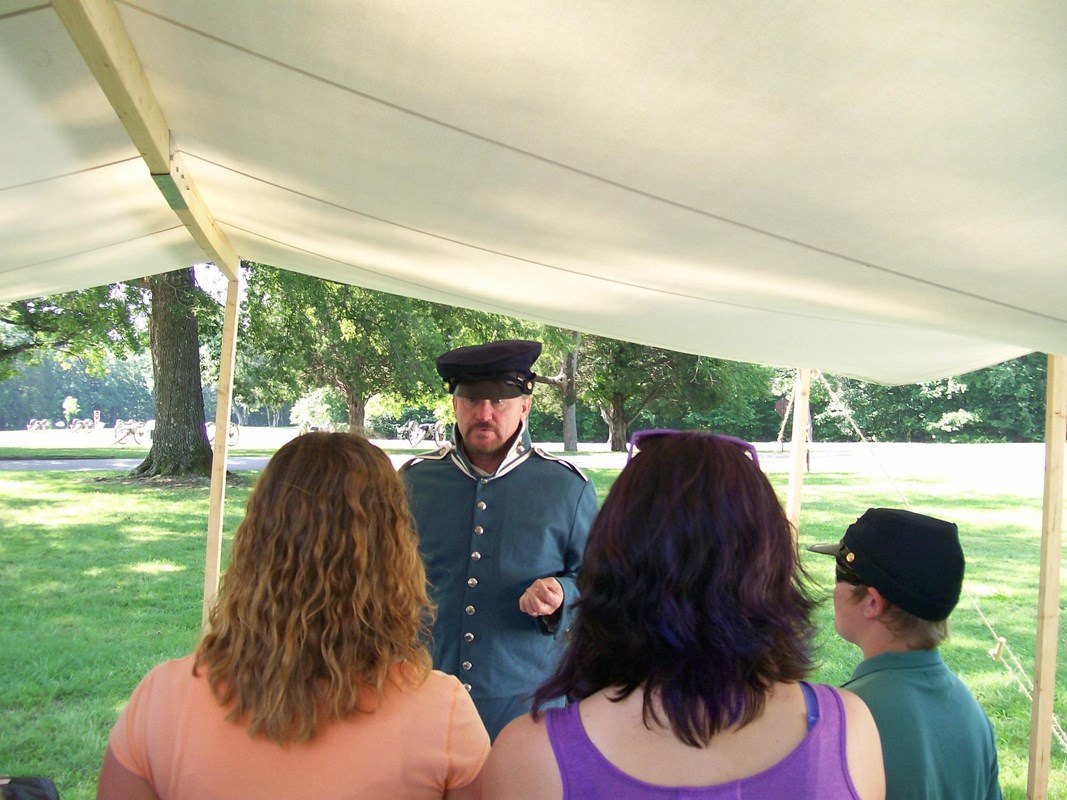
876	190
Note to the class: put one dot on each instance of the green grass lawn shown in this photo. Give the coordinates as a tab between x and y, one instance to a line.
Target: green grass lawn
101	578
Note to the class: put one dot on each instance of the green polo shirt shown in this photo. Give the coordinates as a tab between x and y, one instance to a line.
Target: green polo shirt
937	742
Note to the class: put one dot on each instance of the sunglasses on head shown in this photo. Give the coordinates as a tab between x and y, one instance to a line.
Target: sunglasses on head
641	437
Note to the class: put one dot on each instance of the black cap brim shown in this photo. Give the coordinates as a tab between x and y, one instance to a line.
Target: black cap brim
500	389
829	548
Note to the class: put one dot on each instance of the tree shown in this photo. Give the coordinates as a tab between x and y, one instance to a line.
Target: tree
566	381
743	406
1008	399
94	324
120	390
308	332
627	380
317	410
263	380
1004	402
71	409
87	324
888	413
570	394
267	371
179	442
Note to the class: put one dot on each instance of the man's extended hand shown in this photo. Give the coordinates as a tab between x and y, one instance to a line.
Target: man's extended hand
542	598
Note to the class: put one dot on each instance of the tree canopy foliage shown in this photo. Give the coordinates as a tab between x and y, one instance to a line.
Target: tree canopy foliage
121	390
629	381
301	334
1005	402
89	325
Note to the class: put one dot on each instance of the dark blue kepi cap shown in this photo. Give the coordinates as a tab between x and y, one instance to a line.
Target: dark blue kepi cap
916	561
495	370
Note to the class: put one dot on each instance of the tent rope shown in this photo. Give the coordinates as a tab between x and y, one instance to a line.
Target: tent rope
838	403
785	417
1016	670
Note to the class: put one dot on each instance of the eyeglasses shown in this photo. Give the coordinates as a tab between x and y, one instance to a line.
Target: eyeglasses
842	571
644	436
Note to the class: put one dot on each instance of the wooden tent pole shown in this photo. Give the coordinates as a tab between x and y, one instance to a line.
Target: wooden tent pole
227	358
1048	604
801	397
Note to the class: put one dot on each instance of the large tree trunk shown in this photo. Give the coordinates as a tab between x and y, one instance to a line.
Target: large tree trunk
357	410
570	396
179	442
615	416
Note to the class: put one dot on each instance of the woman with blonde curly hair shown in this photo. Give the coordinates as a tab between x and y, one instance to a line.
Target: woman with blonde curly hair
313	679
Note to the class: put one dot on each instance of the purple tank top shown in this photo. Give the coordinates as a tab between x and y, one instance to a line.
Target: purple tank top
816	768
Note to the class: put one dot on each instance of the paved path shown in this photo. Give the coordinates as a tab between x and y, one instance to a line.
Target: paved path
236	464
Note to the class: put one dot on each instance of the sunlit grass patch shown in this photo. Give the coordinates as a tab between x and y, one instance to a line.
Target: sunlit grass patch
156	567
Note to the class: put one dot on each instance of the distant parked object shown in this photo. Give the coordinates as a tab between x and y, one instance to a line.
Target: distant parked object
232	434
415	431
140	432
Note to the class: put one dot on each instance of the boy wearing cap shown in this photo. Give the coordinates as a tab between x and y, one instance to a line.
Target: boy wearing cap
502	529
899	576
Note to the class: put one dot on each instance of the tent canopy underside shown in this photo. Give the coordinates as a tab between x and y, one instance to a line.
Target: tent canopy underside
874	191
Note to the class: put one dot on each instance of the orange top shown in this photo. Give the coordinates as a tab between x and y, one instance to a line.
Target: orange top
419	743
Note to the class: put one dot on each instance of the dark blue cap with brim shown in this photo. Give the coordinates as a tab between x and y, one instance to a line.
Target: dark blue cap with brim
914	560
495	370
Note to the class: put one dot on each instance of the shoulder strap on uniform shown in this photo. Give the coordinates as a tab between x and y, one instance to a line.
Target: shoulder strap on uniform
549	457
437	455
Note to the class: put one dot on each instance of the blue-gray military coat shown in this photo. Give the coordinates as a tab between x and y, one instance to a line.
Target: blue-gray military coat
484	540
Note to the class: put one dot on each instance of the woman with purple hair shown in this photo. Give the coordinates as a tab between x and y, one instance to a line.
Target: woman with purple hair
685	665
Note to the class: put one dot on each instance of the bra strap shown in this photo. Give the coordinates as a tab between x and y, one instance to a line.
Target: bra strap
811	702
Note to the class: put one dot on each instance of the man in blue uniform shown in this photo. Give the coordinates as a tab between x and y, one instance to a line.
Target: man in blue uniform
899	575
502	529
